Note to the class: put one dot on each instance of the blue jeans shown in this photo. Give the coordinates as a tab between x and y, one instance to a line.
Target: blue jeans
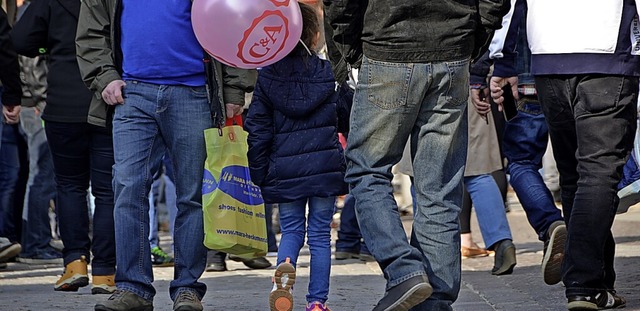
83	153
170	202
524	143
592	124
427	102
292	222
152	119
349	236
487	200
9	175
41	188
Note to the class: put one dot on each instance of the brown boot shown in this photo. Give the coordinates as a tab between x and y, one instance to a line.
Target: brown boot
75	276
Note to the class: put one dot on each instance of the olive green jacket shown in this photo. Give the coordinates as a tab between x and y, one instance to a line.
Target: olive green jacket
100	60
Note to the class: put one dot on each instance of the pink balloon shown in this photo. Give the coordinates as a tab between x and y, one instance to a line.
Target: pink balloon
247	33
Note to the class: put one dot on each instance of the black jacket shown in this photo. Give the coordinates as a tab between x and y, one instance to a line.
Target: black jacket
50	26
9	69
418	31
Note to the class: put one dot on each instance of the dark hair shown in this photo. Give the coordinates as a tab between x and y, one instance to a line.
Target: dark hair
310	27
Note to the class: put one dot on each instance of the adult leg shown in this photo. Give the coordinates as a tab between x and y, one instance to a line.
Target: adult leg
41	189
183	119
595	117
69	144
524	144
137	148
102	160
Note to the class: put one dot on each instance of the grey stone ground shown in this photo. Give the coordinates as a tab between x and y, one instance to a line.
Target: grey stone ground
355	286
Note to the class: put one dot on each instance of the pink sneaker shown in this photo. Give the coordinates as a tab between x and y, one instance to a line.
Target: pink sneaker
317	306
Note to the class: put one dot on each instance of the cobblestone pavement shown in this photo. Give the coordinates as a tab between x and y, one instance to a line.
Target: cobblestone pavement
355	285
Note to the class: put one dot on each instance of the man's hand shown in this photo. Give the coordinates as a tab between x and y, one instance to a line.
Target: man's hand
112	94
480	102
234	110
11	114
496	84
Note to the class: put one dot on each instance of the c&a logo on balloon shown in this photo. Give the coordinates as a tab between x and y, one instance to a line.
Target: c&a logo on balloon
264	39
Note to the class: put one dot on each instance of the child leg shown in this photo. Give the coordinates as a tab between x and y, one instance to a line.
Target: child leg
319	240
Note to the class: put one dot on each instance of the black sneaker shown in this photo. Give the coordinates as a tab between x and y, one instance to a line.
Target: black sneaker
122	300
159	258
603	300
405	295
554	252
187	300
253	263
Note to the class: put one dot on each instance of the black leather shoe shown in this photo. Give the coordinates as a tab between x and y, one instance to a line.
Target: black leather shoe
253	263
405	295
603	300
505	258
217	267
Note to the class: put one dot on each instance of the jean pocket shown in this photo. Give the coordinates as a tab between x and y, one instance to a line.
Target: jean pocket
388	83
458	93
601	93
199	91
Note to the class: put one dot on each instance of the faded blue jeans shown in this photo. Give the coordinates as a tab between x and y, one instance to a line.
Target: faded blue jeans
41	187
427	102
489	206
318	229
152	119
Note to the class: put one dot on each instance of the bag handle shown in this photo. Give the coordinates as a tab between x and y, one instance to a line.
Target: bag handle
236	120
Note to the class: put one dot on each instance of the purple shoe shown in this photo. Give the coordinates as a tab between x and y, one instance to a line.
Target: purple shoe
317	306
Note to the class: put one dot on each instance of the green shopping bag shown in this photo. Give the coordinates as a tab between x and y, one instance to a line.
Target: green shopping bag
234	218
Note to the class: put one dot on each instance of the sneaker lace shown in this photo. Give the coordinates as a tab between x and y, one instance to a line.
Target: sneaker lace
117	295
188	296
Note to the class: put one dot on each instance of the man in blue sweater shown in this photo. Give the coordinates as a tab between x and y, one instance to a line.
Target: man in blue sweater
142	58
587	82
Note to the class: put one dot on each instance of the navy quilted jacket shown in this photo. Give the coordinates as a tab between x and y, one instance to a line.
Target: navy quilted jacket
294	152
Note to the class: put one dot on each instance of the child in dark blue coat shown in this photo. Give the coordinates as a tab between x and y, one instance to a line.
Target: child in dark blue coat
296	159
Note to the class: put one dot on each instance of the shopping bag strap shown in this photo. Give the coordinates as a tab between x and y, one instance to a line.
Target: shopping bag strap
236	120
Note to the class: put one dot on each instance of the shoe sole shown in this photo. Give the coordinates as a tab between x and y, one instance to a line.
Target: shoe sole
105	308
628	198
35	261
10	252
415	295
508	261
281	298
552	260
581	306
73	283
345	256
102	289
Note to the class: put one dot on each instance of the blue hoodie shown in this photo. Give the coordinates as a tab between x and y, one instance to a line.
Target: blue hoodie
294	152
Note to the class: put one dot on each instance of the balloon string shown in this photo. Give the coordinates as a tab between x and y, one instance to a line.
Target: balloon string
305	47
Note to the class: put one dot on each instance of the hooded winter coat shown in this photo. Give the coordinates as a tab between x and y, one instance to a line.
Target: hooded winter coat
294	152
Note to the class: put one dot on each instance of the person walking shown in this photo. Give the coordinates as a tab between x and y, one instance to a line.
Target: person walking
413	81
587	83
297	160
145	65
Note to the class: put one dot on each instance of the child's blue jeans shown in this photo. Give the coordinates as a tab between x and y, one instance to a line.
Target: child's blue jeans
318	228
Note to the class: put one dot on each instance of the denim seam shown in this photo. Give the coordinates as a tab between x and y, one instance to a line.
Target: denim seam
141	203
144	295
401	279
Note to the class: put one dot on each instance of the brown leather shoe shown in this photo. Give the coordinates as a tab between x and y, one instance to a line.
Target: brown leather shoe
472	252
